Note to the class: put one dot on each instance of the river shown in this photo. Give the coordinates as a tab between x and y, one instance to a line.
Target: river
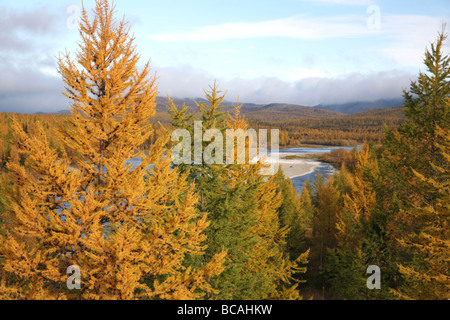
299	170
315	167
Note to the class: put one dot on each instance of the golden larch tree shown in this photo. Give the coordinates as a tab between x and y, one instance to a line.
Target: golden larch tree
360	199
127	225
428	275
268	259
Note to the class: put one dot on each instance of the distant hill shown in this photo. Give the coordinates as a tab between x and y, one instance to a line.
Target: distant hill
359	106
394	112
63	112
162	102
60	112
283	111
280	112
270	112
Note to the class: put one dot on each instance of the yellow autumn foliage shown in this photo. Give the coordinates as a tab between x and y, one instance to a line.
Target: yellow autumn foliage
127	225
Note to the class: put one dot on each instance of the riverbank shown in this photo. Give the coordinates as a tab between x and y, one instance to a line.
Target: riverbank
301	166
295	165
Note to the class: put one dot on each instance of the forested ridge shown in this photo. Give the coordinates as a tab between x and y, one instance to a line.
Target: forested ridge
347	130
160	230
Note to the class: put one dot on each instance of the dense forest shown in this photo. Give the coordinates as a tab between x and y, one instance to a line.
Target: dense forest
160	230
342	131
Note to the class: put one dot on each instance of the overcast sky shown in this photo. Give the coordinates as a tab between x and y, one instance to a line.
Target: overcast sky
288	51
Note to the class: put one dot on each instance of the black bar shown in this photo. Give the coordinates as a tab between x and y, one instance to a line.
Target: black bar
264	309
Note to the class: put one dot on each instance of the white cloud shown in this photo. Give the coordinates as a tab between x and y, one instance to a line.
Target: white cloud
398	27
30	91
297	27
29	82
297	73
401	39
409	36
317	90
187	82
35	91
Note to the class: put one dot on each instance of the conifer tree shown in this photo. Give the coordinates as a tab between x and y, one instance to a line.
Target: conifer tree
428	274
296	213
290	215
414	167
212	117
359	200
356	249
127	229
414	144
242	210
328	207
306	210
268	262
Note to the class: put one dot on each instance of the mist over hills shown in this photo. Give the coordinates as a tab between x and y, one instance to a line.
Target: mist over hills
359	106
283	111
393	112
